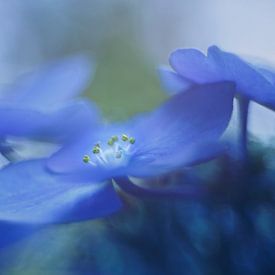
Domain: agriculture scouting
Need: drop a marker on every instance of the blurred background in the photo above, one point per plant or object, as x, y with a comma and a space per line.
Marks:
129, 39
126, 40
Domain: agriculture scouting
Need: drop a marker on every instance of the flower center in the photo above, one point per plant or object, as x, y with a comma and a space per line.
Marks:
115, 152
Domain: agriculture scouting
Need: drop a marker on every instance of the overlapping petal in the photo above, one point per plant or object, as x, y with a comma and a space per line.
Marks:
30, 194
50, 86
194, 65
186, 122
268, 74
41, 105
59, 125
172, 82
252, 82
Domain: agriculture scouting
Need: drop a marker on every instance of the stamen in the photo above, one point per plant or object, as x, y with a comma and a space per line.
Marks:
86, 159
118, 154
132, 140
110, 142
124, 137
115, 154
114, 138
101, 158
96, 150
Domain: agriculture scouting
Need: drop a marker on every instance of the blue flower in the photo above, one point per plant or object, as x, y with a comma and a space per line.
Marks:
42, 105
193, 67
183, 131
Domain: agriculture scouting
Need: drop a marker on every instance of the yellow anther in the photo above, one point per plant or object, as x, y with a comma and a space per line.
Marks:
96, 150
110, 142
132, 140
124, 137
114, 138
86, 159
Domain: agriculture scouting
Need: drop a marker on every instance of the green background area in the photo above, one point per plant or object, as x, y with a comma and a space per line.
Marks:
124, 83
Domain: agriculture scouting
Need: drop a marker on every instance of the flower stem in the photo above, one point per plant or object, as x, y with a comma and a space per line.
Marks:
243, 120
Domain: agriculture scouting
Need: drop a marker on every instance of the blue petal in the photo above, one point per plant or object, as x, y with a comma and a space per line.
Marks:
69, 158
268, 74
29, 194
249, 81
175, 133
196, 153
46, 88
218, 65
194, 65
172, 82
58, 125
69, 122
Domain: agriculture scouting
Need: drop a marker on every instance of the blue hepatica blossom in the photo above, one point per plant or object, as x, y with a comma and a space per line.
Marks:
75, 183
192, 67
41, 105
